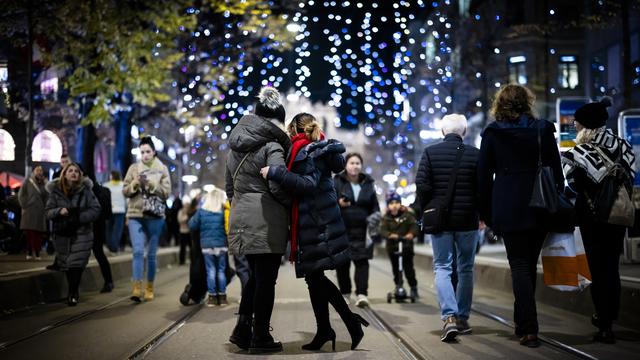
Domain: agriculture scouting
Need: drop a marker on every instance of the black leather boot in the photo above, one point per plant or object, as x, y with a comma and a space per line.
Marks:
320, 339
355, 329
242, 333
264, 344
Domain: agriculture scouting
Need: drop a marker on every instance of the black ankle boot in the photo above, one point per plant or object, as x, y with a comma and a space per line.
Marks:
242, 333
320, 339
72, 300
355, 329
264, 344
605, 335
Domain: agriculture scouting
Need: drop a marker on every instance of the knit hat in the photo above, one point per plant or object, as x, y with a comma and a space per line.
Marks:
593, 115
269, 104
147, 141
393, 196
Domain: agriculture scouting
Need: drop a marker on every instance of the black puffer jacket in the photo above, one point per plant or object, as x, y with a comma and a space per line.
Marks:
507, 170
433, 176
259, 217
322, 238
355, 216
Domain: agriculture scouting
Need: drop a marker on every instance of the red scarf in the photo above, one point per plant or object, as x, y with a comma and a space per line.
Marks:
298, 142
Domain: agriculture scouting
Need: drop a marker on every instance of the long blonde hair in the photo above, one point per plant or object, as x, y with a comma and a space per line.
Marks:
307, 123
586, 135
214, 200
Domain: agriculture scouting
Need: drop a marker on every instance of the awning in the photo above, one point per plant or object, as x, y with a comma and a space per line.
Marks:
13, 180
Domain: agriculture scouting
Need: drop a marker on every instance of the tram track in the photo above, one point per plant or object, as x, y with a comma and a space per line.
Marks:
558, 345
73, 319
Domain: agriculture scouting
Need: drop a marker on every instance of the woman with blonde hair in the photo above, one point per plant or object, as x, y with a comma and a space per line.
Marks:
585, 167
318, 237
72, 207
209, 221
513, 147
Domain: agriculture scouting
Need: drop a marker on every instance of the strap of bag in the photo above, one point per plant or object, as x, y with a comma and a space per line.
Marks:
235, 174
454, 175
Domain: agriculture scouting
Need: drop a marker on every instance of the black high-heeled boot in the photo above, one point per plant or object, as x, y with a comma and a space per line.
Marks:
242, 333
320, 339
72, 299
355, 329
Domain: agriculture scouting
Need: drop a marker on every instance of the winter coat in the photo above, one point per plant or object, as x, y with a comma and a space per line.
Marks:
33, 198
103, 195
73, 250
432, 182
210, 225
585, 169
509, 151
158, 180
402, 224
321, 236
183, 219
259, 215
355, 216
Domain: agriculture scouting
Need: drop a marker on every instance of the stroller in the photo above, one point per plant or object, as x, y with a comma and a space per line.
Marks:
400, 294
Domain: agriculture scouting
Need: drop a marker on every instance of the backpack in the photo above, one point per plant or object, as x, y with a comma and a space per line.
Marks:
612, 203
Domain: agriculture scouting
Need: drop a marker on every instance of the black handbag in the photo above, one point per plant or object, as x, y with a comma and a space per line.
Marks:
545, 192
435, 214
557, 209
153, 205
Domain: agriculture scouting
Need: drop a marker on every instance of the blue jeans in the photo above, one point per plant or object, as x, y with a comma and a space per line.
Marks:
216, 277
115, 226
454, 303
141, 232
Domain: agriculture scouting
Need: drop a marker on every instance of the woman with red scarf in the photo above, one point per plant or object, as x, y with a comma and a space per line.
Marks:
318, 236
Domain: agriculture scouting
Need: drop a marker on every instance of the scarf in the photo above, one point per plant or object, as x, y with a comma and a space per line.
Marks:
298, 142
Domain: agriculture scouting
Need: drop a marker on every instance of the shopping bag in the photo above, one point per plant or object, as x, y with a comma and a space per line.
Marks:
564, 262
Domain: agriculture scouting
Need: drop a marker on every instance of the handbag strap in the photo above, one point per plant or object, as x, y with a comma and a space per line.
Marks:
235, 174
454, 175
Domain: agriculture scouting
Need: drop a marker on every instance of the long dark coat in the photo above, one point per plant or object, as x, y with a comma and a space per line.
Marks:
322, 239
259, 217
73, 251
355, 216
510, 152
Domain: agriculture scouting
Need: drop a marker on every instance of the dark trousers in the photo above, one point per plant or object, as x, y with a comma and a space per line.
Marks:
185, 240
34, 242
73, 279
523, 250
242, 270
407, 268
603, 244
323, 292
259, 294
361, 277
98, 253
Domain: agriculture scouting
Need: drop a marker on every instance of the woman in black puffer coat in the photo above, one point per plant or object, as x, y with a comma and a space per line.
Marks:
73, 208
318, 238
358, 201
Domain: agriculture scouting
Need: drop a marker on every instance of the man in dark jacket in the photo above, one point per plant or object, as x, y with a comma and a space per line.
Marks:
259, 216
460, 229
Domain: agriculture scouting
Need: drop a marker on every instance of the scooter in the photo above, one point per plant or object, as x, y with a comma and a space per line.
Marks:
399, 294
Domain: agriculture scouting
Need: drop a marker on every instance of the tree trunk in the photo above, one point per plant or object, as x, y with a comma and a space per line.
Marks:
122, 155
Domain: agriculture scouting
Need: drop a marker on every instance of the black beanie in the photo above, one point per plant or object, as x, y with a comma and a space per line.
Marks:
269, 105
147, 141
593, 115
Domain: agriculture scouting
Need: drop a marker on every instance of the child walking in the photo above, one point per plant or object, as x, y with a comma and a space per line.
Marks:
399, 224
209, 221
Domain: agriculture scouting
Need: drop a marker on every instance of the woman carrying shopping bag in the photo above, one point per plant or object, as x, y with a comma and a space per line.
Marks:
589, 168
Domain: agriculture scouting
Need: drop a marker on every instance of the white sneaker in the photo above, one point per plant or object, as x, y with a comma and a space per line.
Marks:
29, 257
362, 301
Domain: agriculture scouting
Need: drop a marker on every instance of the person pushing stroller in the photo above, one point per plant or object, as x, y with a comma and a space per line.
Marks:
399, 229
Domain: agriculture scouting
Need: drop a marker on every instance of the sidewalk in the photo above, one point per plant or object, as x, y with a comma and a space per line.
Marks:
492, 271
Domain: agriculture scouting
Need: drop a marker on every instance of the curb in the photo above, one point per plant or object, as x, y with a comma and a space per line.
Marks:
44, 286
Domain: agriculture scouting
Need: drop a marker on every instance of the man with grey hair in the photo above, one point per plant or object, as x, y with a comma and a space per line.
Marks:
451, 161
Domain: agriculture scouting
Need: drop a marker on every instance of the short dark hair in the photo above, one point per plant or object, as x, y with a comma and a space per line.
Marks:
147, 141
350, 155
115, 175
